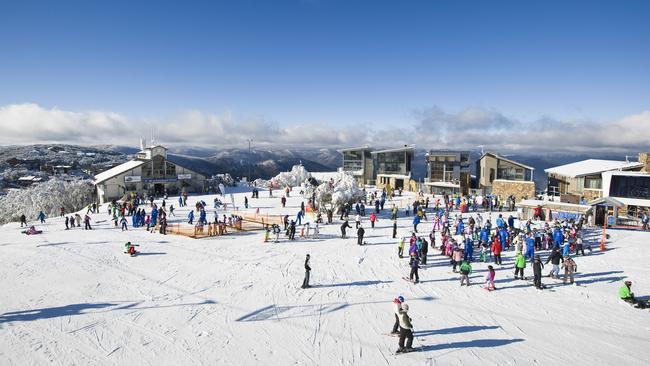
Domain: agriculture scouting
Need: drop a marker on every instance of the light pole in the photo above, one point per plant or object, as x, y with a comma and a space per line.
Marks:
250, 160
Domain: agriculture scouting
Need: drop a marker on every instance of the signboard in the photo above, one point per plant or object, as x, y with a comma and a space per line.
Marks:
132, 179
160, 180
184, 176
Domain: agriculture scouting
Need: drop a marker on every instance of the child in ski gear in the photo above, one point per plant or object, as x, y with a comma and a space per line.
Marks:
489, 278
360, 233
400, 247
570, 267
465, 270
520, 264
414, 263
555, 258
537, 272
625, 293
130, 249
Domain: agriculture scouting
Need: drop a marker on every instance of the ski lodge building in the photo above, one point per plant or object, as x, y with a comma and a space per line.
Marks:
358, 161
448, 171
394, 168
149, 173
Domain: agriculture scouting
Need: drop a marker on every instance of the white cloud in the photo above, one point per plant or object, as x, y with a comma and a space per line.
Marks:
430, 128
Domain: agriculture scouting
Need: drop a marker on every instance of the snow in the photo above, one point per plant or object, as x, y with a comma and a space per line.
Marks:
591, 166
73, 297
297, 176
49, 196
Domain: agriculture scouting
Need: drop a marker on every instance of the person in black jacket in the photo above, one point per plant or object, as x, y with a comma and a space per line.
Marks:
394, 229
555, 258
305, 282
537, 272
343, 227
360, 232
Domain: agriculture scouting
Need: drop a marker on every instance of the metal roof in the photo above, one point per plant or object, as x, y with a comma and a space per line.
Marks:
403, 148
591, 166
117, 170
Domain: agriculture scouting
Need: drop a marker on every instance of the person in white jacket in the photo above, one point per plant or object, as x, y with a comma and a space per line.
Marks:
405, 330
397, 308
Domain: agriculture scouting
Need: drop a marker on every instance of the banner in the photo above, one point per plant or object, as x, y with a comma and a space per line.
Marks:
132, 179
184, 176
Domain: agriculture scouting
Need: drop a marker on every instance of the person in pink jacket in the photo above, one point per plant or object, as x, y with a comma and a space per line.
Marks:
489, 279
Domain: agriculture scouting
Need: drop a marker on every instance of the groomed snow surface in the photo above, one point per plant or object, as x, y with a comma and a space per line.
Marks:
73, 298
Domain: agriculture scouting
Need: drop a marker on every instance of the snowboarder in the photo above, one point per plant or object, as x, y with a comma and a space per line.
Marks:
305, 282
130, 249
360, 233
405, 330
625, 293
465, 271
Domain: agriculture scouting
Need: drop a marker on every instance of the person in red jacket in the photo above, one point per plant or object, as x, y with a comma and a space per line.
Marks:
496, 250
373, 218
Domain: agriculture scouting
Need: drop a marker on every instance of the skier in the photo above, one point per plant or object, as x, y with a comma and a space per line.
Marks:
373, 219
41, 217
292, 230
555, 259
489, 279
360, 233
305, 282
67, 221
520, 264
23, 220
245, 202
405, 330
344, 226
87, 223
276, 232
123, 223
416, 222
465, 271
357, 221
570, 267
397, 309
400, 247
394, 228
190, 218
530, 247
414, 268
537, 272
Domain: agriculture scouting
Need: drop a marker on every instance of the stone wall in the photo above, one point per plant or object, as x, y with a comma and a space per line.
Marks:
518, 189
592, 194
644, 158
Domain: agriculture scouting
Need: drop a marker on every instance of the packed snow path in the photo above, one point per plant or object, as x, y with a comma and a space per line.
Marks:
73, 298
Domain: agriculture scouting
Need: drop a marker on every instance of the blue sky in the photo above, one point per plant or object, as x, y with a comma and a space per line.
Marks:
338, 63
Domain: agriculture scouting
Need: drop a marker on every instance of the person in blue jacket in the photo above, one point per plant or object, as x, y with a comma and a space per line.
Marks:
530, 247
469, 249
500, 222
566, 249
203, 217
484, 236
416, 222
511, 221
299, 218
154, 216
41, 217
503, 236
190, 218
460, 227
558, 237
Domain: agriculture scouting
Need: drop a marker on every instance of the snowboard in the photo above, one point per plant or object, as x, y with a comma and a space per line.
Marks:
414, 349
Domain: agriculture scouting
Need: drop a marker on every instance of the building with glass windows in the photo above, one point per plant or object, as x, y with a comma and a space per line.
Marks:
585, 178
491, 167
448, 171
393, 167
358, 162
149, 173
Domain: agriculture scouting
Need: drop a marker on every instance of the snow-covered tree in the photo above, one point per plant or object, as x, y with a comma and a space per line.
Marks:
48, 196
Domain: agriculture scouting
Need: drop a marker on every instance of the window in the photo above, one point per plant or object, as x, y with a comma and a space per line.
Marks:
593, 182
